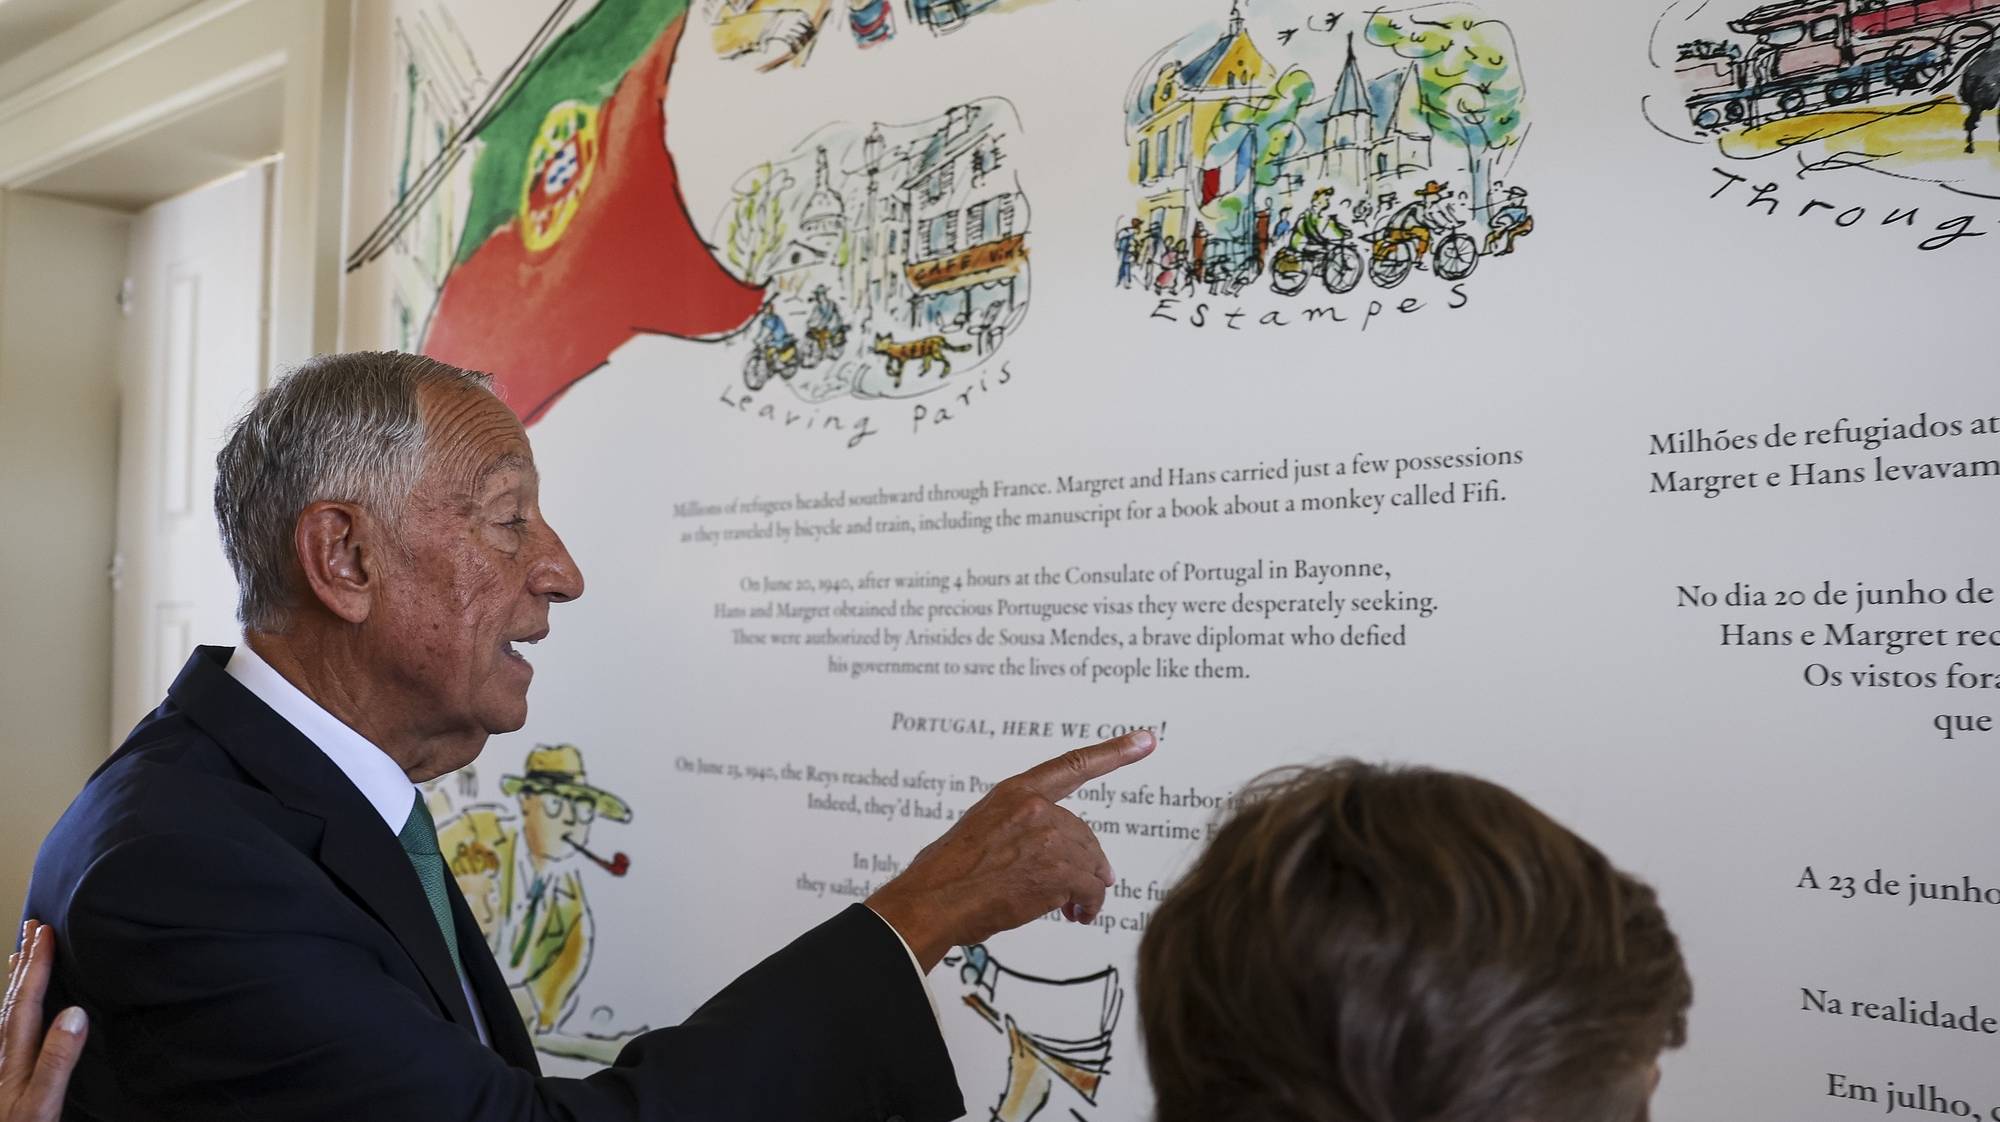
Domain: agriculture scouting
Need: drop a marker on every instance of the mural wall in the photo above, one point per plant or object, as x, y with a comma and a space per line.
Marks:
1590, 397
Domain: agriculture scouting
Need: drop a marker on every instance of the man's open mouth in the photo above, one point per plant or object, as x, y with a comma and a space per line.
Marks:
530, 640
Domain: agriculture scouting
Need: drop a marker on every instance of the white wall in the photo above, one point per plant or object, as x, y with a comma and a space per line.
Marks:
149, 62
60, 267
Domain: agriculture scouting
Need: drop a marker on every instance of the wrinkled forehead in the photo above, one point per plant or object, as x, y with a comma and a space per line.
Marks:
470, 437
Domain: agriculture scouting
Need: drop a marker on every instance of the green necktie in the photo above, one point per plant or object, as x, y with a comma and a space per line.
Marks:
420, 841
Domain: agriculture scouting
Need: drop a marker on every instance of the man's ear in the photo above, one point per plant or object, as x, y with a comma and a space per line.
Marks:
338, 560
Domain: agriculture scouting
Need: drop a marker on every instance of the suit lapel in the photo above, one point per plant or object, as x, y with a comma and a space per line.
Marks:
503, 1025
365, 857
355, 848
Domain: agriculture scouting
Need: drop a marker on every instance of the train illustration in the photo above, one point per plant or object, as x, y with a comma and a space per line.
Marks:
1809, 56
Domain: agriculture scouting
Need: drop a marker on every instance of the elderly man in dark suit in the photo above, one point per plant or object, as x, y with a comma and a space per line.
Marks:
248, 896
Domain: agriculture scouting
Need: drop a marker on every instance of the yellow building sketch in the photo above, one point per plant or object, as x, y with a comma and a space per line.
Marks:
1174, 117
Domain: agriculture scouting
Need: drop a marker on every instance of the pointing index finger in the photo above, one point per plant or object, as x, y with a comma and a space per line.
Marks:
1059, 778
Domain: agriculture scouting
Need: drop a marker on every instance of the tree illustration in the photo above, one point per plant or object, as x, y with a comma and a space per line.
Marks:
1264, 129
757, 225
1468, 82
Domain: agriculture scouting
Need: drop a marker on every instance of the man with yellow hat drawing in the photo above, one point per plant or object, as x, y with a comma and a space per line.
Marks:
1423, 218
544, 941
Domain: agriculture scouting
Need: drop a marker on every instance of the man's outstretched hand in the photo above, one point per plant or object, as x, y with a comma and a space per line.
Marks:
34, 1070
1015, 855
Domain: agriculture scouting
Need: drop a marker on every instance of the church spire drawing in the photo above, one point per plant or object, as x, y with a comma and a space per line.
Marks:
825, 211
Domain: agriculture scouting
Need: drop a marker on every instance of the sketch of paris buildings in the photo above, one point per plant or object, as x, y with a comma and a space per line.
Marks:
894, 256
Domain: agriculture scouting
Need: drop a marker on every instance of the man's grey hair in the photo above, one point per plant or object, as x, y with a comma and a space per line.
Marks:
340, 428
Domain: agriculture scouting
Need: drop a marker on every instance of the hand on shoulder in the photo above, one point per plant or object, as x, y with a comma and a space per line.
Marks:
34, 1073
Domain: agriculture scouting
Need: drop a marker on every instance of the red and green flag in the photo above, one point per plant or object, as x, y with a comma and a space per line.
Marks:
577, 238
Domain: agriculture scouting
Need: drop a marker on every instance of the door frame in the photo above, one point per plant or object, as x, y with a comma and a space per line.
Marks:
129, 81
188, 358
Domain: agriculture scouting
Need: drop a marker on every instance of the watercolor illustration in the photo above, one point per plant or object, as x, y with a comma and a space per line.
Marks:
1325, 148
523, 863
1058, 1033
775, 33
540, 207
539, 226
1904, 88
894, 256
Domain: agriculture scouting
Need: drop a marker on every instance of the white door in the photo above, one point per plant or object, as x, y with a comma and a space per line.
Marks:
190, 361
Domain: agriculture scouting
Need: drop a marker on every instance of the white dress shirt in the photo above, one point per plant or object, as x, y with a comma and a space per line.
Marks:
370, 769
382, 782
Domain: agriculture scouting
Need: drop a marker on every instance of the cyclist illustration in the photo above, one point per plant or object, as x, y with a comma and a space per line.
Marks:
1418, 220
826, 331
1317, 244
1511, 222
1426, 225
773, 350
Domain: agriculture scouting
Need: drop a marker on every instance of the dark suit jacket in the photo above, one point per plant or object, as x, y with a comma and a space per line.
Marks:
250, 942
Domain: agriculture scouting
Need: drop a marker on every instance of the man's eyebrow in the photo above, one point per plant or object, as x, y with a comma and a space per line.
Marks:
512, 461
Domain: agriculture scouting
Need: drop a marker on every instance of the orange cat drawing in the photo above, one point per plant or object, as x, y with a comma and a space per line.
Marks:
931, 348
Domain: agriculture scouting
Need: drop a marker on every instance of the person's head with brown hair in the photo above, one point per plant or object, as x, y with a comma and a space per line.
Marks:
1374, 944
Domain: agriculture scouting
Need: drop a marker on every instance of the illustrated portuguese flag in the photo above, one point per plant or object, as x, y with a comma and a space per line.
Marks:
577, 238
